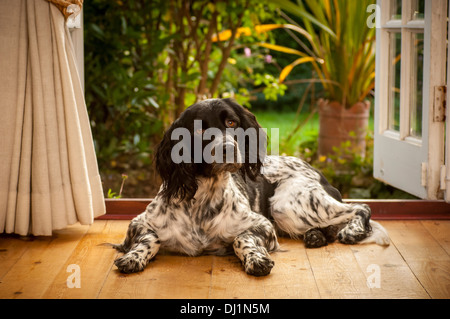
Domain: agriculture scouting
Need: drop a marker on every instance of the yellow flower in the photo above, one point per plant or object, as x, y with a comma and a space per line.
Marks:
322, 158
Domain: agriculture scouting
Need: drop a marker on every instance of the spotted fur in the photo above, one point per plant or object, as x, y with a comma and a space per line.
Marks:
238, 208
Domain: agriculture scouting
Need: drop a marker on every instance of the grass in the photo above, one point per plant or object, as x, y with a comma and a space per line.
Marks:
286, 123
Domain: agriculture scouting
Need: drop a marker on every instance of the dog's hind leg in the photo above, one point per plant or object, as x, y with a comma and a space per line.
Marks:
357, 229
318, 237
312, 213
140, 246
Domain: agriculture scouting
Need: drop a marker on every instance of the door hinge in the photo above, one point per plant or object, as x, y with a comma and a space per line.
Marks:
440, 99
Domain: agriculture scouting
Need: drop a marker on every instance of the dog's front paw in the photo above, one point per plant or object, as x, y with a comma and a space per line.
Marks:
130, 263
258, 264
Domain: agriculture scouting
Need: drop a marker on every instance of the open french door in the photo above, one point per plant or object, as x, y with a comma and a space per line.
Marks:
410, 88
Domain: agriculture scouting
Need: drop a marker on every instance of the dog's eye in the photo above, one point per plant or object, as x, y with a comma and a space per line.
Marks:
230, 123
199, 131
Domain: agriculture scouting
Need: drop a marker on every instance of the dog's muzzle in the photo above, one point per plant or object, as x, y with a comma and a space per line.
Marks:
225, 154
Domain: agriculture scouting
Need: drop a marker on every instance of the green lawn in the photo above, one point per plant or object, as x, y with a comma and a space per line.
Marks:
286, 122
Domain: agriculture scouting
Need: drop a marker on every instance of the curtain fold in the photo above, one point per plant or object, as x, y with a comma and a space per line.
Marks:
49, 177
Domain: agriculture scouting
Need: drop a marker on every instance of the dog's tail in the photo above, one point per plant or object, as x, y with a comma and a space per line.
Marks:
379, 235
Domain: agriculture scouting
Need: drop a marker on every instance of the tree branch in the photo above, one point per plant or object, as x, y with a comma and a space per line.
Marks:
226, 52
201, 90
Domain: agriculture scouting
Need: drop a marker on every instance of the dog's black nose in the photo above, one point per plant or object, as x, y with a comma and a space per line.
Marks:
228, 148
229, 152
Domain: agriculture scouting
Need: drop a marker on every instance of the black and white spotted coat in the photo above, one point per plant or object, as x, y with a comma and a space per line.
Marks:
232, 213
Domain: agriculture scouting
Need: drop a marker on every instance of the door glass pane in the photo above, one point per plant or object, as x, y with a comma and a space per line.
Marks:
396, 10
417, 85
395, 44
418, 9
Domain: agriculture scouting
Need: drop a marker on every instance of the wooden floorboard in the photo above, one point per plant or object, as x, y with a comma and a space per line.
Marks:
396, 279
43, 257
93, 260
424, 255
415, 265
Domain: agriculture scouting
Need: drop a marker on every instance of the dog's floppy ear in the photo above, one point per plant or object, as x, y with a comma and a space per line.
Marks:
178, 179
251, 168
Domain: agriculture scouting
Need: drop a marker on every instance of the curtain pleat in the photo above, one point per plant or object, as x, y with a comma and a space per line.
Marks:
49, 174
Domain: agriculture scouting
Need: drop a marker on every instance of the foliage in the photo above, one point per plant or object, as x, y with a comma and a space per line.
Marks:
271, 87
112, 194
146, 61
341, 46
121, 86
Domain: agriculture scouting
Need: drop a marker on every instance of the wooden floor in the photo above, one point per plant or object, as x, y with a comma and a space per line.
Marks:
415, 265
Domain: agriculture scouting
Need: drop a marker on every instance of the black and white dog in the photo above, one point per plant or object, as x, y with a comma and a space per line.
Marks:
221, 194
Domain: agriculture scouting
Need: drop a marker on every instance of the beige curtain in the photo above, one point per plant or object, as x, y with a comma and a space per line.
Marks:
48, 169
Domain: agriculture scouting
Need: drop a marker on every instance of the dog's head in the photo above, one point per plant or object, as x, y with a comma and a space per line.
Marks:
209, 138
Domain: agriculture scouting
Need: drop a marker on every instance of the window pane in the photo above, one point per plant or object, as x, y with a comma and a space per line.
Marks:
418, 9
396, 10
417, 85
394, 80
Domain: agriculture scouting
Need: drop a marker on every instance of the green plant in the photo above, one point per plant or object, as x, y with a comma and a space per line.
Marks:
338, 35
112, 194
272, 88
339, 45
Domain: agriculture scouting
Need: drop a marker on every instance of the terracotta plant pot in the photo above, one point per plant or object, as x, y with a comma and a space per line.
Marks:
338, 125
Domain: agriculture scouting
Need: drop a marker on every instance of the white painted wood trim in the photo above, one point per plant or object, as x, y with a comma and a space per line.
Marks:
446, 181
381, 79
436, 13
